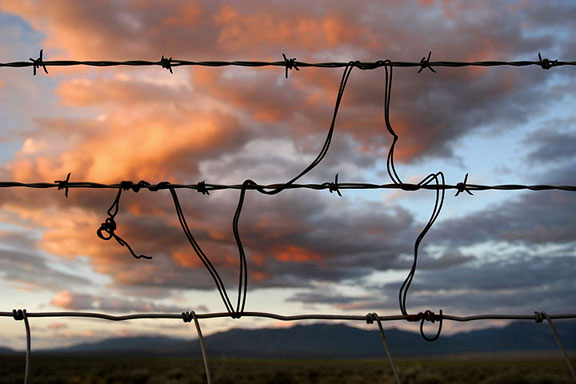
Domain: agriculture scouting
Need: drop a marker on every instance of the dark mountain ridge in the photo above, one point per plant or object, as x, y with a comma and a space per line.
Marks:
334, 341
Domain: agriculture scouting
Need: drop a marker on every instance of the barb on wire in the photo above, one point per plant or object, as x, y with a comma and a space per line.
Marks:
370, 318
539, 317
202, 188
546, 63
463, 187
18, 315
63, 184
425, 63
188, 317
333, 187
290, 64
38, 63
107, 229
166, 62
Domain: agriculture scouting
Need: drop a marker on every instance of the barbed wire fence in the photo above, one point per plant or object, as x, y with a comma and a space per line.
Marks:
433, 182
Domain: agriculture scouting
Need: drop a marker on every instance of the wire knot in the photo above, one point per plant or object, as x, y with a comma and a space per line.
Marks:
141, 184
160, 185
109, 227
371, 317
290, 64
431, 317
333, 187
188, 316
19, 314
540, 316
38, 63
166, 62
425, 63
202, 188
463, 187
546, 63
63, 184
236, 315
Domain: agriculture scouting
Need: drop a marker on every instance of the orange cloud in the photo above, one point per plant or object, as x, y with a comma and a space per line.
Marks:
293, 253
239, 31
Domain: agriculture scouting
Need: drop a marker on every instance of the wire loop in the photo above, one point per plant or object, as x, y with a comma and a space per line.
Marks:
431, 317
108, 228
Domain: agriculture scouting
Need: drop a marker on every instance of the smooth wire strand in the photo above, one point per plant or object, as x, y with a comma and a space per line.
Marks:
543, 315
275, 316
188, 316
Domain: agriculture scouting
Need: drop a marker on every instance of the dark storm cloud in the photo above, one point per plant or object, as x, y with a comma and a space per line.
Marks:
553, 143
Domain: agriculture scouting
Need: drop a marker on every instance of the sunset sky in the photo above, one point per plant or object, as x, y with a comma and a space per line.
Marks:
307, 251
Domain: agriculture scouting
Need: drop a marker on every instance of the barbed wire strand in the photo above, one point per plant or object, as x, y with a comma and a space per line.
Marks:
187, 317
543, 315
203, 187
169, 63
21, 314
370, 317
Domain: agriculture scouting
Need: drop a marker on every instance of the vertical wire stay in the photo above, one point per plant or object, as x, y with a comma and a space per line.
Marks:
539, 317
21, 314
187, 317
237, 311
370, 318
